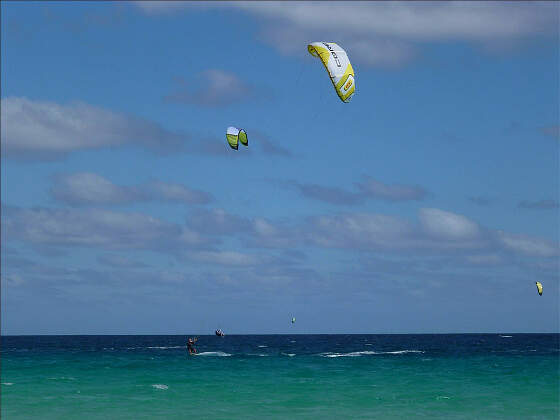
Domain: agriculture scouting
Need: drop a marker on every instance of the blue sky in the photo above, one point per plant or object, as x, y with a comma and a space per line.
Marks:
429, 203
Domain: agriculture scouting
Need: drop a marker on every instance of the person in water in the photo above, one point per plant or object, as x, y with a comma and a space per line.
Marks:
190, 345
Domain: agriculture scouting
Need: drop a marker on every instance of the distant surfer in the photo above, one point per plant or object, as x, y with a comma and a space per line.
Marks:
219, 332
190, 345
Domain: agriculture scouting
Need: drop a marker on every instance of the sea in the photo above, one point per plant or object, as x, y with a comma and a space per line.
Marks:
441, 376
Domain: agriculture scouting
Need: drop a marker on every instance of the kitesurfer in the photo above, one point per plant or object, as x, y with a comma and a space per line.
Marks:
190, 345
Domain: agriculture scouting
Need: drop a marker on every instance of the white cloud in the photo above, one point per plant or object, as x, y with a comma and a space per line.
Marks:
232, 258
42, 129
484, 260
217, 222
381, 33
215, 88
90, 188
96, 228
448, 226
419, 20
264, 228
175, 192
359, 230
527, 245
13, 279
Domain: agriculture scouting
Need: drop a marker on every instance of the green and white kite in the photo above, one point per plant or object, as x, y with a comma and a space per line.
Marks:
235, 135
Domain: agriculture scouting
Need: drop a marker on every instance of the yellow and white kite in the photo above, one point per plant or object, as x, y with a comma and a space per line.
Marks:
336, 61
539, 287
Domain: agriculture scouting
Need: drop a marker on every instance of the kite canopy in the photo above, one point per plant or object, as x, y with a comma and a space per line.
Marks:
243, 138
293, 320
539, 287
235, 135
336, 61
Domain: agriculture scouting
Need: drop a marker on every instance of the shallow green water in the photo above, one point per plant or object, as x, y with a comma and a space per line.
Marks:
289, 377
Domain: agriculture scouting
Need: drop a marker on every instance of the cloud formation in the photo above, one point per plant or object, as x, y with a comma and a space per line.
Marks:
388, 33
41, 130
368, 188
436, 232
86, 188
212, 88
47, 130
208, 233
119, 261
482, 201
391, 192
544, 204
96, 228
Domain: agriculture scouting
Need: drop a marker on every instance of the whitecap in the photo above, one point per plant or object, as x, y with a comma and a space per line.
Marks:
288, 354
442, 397
7, 383
213, 353
166, 347
160, 386
351, 354
367, 353
262, 346
505, 336
401, 352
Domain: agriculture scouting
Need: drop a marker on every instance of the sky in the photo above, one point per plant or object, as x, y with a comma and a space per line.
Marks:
428, 204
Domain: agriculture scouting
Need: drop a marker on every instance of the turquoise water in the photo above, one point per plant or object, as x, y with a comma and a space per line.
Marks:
508, 376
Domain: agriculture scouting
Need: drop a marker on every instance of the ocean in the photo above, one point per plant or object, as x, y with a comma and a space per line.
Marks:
443, 376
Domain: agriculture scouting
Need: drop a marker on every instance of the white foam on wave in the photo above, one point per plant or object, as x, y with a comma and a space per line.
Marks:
160, 386
442, 397
367, 353
505, 336
7, 383
166, 347
351, 354
213, 353
288, 354
262, 346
